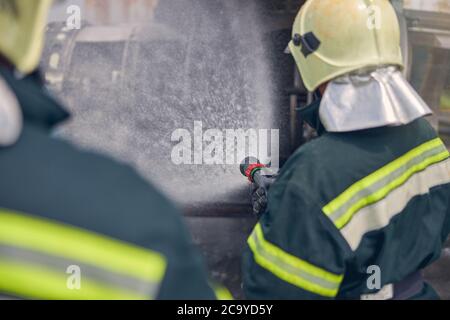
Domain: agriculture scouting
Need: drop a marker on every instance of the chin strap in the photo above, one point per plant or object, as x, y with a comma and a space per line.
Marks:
310, 114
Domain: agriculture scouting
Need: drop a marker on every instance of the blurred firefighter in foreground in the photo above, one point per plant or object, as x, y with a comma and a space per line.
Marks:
359, 211
73, 224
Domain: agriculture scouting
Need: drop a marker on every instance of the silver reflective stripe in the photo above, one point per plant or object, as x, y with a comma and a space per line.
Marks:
379, 214
273, 259
385, 181
60, 265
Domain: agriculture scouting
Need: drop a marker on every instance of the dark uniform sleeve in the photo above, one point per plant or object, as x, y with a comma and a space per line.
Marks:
186, 277
156, 224
294, 252
446, 226
161, 228
137, 212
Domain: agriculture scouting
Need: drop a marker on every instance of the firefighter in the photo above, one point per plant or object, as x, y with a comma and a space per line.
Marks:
359, 211
73, 224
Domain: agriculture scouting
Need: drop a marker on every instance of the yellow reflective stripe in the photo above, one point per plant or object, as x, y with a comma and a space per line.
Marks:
380, 194
380, 174
379, 214
222, 293
291, 269
36, 282
87, 247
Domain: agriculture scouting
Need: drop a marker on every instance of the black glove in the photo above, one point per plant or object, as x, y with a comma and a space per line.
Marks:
259, 195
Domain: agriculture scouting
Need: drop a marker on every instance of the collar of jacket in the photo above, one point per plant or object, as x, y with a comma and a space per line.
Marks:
37, 104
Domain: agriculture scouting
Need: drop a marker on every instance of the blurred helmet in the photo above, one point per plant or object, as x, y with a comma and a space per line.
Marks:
22, 27
331, 38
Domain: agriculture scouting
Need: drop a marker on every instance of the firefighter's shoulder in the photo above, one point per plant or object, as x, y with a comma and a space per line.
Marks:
65, 209
57, 180
317, 163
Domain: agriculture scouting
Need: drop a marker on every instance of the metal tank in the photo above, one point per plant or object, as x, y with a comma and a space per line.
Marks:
137, 71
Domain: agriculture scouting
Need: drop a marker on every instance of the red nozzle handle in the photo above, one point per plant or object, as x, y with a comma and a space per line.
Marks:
251, 169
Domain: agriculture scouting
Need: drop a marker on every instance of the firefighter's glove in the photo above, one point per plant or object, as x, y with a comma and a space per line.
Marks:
259, 195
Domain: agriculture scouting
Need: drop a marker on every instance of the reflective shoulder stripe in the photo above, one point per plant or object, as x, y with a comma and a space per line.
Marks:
379, 184
49, 248
292, 269
379, 214
222, 293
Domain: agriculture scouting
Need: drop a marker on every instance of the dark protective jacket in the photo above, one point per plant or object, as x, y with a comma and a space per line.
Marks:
353, 214
74, 224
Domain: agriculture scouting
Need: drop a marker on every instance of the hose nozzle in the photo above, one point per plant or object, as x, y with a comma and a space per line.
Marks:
249, 166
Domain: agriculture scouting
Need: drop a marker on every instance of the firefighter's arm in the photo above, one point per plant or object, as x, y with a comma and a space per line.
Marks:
294, 251
446, 225
155, 224
186, 277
